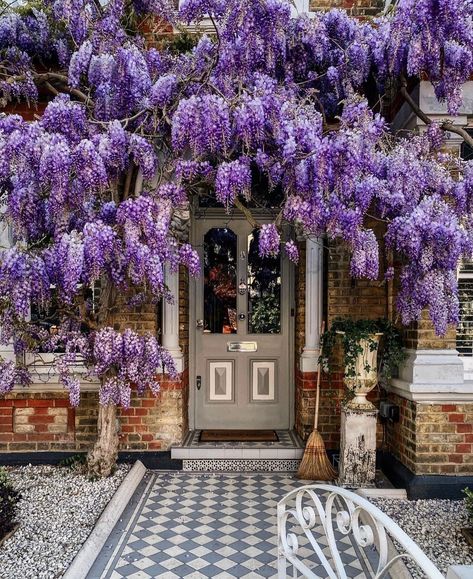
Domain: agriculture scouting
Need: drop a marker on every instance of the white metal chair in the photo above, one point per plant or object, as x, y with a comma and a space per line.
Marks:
310, 513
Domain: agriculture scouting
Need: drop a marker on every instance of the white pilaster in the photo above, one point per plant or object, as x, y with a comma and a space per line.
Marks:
171, 320
299, 7
313, 304
6, 350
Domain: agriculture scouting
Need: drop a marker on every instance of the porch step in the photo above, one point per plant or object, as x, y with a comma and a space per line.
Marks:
281, 456
234, 453
241, 465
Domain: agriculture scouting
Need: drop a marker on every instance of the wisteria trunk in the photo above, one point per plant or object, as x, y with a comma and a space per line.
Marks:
102, 459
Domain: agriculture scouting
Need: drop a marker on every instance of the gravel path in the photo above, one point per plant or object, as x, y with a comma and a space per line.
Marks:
57, 511
435, 525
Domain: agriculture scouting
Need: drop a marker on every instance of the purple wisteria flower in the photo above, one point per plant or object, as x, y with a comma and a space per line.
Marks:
269, 240
270, 111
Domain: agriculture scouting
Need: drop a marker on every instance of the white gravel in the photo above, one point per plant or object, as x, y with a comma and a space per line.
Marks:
435, 525
57, 511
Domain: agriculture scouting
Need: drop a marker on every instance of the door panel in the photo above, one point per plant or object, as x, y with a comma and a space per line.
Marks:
242, 330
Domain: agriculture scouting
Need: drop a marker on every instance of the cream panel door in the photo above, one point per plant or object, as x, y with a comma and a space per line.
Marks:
242, 310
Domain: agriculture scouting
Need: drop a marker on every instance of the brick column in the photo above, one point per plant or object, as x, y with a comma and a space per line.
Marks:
309, 302
435, 433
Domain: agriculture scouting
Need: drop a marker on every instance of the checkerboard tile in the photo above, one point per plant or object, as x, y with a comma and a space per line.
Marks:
195, 526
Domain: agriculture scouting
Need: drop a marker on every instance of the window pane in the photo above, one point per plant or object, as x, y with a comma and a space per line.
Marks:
220, 281
465, 326
264, 290
49, 319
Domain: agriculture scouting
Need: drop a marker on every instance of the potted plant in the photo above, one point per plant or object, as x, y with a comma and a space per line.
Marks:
372, 352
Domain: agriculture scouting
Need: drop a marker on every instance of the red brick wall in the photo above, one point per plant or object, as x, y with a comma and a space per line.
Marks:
153, 423
35, 423
361, 8
332, 392
32, 421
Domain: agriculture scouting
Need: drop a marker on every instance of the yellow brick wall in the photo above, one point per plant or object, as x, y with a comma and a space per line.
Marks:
433, 438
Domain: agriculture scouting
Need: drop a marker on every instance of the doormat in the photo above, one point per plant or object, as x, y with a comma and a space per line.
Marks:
238, 436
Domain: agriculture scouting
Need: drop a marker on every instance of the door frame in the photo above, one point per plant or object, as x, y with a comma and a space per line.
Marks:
219, 216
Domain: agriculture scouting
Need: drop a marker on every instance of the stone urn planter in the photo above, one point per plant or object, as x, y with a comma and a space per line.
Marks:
361, 376
360, 354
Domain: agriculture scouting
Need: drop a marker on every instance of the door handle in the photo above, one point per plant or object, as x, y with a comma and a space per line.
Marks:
198, 382
199, 324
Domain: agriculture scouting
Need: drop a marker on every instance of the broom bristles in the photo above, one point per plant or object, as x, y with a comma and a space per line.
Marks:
315, 464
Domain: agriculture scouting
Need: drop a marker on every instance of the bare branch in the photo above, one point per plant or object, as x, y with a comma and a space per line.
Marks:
247, 213
46, 77
129, 177
51, 89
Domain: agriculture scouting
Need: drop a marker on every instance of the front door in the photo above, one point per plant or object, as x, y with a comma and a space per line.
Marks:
242, 307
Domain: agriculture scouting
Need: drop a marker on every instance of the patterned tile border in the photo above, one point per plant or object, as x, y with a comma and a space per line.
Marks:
236, 465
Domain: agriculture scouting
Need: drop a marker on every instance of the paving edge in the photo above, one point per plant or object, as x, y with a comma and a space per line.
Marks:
374, 493
85, 558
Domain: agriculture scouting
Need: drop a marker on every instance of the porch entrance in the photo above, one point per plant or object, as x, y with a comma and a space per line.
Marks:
241, 330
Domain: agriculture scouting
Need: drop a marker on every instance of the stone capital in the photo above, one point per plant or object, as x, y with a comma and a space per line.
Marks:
433, 376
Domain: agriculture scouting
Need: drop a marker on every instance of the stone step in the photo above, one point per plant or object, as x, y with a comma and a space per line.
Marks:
235, 452
241, 464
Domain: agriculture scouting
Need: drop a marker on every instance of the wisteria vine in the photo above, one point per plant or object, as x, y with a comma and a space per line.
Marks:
269, 104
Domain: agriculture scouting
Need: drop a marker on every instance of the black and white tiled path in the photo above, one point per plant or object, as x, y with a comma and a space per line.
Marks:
196, 525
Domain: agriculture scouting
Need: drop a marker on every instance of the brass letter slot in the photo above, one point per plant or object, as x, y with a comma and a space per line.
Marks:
242, 346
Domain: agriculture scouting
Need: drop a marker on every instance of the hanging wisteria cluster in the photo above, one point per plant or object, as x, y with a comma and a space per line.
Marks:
133, 130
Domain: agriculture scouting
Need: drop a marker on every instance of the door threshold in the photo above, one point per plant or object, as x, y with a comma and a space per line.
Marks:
289, 446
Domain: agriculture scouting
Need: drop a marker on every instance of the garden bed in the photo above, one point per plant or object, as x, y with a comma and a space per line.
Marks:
436, 526
57, 511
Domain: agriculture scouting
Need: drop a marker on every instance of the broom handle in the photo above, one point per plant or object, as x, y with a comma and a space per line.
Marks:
317, 389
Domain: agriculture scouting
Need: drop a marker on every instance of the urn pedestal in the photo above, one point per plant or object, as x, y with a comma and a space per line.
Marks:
357, 467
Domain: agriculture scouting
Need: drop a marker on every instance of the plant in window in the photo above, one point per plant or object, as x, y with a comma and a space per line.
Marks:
265, 316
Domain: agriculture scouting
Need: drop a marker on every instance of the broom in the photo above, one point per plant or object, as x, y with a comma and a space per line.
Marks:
315, 464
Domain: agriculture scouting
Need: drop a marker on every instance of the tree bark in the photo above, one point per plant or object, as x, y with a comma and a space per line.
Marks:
102, 459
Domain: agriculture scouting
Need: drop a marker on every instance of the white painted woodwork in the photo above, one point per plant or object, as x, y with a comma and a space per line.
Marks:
433, 376
6, 350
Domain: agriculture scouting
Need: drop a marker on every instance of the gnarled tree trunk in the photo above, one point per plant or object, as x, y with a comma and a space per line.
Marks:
102, 459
